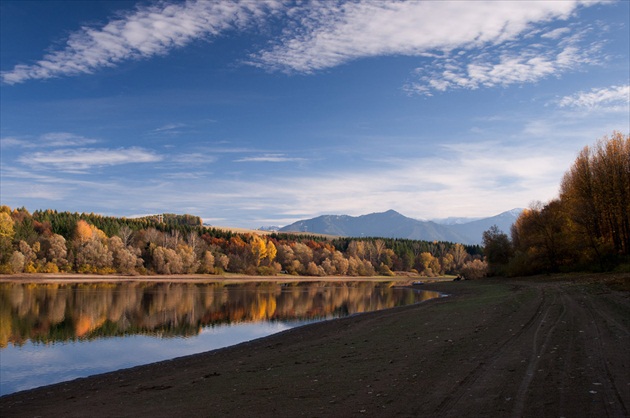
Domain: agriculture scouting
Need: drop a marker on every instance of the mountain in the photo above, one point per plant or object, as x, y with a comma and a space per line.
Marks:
392, 224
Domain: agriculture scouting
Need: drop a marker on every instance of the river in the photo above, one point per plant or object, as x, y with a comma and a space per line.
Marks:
51, 333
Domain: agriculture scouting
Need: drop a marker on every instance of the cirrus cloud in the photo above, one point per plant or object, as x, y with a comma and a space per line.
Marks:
86, 158
146, 32
269, 158
323, 34
328, 34
613, 97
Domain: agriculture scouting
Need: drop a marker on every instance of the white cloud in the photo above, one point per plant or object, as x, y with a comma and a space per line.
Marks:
148, 31
85, 158
193, 158
64, 139
52, 139
170, 127
317, 35
12, 142
327, 34
269, 158
556, 33
518, 62
462, 179
613, 97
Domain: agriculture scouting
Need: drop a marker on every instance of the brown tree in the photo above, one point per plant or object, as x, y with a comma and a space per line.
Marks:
596, 193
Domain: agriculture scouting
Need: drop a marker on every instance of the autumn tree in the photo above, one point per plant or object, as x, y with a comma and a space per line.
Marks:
125, 233
54, 250
167, 261
124, 259
16, 262
263, 250
540, 239
427, 264
596, 194
474, 269
7, 233
460, 256
207, 263
91, 252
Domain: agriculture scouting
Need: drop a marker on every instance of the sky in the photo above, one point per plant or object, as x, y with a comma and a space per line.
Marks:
260, 113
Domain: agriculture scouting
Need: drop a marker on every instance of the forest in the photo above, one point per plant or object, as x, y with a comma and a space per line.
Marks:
47, 241
587, 228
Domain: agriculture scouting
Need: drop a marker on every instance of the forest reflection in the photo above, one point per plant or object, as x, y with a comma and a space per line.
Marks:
45, 313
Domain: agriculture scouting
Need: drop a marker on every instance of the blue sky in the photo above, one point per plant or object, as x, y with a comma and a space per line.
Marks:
254, 113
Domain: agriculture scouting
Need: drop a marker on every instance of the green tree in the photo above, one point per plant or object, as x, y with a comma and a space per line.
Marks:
497, 249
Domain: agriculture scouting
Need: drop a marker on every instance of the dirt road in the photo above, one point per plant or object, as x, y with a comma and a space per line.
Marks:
542, 347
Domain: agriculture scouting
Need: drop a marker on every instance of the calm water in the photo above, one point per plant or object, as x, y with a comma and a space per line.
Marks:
51, 333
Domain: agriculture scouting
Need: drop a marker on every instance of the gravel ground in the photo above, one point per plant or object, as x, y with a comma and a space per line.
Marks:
546, 346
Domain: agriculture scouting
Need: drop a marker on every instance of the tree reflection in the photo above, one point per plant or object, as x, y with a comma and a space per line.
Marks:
48, 313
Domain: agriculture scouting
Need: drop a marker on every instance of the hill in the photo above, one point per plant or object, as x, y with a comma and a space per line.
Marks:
392, 224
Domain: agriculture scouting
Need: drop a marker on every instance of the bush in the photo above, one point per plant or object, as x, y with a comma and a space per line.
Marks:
267, 271
384, 270
475, 269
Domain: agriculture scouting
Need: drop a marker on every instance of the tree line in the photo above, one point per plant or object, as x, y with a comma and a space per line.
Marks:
586, 228
49, 241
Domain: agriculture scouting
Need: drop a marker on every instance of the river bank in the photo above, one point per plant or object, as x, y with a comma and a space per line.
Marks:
545, 346
227, 278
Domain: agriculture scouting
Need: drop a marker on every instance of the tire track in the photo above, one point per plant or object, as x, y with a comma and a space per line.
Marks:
537, 352
482, 368
611, 394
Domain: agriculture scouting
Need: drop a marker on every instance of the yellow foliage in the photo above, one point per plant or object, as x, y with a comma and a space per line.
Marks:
258, 246
50, 268
6, 225
84, 232
271, 251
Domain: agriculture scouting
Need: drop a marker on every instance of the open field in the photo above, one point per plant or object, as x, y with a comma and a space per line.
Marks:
546, 346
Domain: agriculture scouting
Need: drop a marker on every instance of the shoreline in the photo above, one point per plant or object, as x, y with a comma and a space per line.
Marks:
470, 354
203, 278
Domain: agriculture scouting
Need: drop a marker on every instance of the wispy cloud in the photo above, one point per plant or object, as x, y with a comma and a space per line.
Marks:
269, 158
12, 142
169, 127
613, 97
85, 158
193, 158
64, 139
52, 139
526, 61
146, 32
327, 34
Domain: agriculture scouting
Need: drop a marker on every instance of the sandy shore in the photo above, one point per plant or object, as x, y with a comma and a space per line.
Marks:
198, 278
541, 347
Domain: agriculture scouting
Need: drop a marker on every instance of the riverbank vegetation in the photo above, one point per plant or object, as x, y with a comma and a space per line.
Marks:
587, 228
47, 241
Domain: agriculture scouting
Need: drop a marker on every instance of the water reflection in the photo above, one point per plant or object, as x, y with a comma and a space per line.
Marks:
56, 312
56, 332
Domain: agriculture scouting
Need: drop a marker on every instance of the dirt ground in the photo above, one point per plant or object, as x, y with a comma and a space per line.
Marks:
547, 346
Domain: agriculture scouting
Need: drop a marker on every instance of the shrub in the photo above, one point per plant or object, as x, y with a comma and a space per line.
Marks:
475, 269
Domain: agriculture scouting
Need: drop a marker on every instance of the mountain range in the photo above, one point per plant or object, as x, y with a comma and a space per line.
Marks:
392, 224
